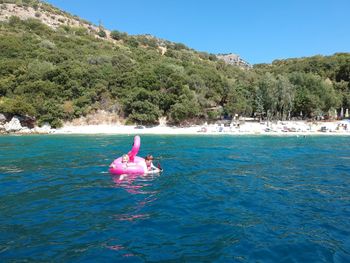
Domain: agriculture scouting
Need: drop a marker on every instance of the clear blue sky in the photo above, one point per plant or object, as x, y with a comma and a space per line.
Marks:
258, 30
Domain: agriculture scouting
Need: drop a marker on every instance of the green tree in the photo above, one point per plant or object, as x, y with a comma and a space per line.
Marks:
16, 105
285, 93
144, 112
185, 109
266, 92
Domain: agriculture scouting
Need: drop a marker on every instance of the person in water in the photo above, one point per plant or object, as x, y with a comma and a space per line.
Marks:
125, 158
149, 164
125, 161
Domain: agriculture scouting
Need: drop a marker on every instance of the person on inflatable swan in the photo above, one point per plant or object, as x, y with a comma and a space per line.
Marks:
132, 164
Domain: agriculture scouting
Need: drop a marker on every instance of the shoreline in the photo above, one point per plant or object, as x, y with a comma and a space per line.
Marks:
285, 128
290, 128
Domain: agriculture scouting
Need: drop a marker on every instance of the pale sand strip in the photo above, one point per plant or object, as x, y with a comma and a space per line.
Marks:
249, 128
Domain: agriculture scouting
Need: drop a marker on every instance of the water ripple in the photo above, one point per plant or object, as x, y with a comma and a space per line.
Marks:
220, 199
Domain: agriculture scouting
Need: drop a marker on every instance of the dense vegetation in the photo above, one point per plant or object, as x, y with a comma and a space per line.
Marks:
58, 75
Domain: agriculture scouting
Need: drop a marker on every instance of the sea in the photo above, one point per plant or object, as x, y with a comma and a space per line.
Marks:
220, 198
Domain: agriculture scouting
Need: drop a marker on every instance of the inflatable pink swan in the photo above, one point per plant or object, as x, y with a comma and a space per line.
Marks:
136, 164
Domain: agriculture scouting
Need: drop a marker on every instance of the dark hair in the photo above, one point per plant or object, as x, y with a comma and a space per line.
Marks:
149, 157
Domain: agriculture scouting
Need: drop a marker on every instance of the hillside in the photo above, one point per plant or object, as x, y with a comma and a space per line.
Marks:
56, 18
47, 14
57, 67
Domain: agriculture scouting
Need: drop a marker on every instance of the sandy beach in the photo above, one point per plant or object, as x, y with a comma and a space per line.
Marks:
285, 128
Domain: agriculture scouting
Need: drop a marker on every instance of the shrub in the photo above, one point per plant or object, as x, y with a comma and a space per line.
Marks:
16, 106
102, 33
116, 35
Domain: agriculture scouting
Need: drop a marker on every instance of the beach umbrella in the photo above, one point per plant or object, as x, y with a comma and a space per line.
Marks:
347, 113
335, 114
342, 113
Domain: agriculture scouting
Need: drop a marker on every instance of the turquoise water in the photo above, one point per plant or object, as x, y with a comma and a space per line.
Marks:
220, 199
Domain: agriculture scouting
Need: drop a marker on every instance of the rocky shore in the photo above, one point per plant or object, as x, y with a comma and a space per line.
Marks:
22, 125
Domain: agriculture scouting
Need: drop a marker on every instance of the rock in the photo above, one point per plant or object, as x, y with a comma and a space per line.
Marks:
26, 130
14, 125
46, 128
234, 59
2, 118
26, 121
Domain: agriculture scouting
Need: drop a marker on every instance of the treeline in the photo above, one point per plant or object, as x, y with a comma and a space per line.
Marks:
313, 86
58, 75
